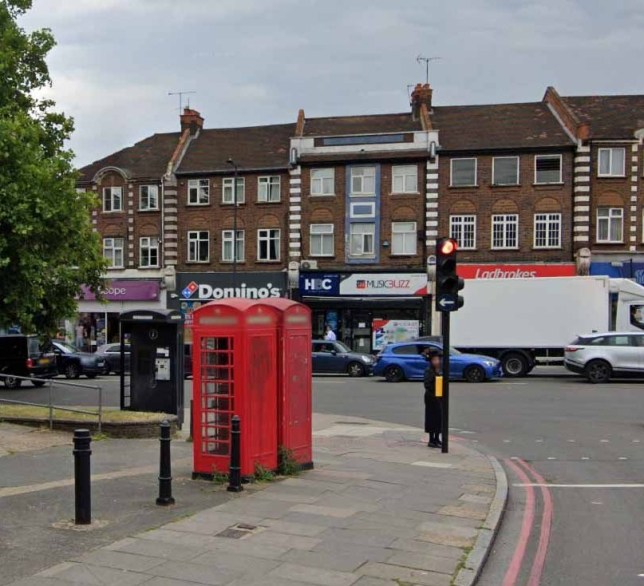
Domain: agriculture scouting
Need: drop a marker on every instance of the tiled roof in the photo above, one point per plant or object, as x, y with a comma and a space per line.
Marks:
609, 116
253, 147
145, 159
498, 126
352, 125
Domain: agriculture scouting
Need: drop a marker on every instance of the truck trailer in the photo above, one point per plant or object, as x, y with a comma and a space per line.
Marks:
528, 321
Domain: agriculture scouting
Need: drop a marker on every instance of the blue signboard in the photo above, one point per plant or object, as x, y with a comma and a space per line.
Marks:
320, 284
625, 270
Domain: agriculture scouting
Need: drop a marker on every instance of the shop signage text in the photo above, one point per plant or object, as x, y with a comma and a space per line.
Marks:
126, 291
209, 286
363, 284
516, 271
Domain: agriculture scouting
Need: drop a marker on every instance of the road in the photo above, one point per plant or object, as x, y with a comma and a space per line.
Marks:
559, 429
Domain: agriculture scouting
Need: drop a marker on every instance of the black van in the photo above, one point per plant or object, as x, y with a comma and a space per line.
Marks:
21, 355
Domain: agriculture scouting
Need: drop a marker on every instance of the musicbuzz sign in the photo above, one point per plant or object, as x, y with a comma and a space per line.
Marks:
211, 286
363, 284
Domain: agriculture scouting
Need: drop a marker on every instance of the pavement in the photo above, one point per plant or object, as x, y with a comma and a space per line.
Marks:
379, 508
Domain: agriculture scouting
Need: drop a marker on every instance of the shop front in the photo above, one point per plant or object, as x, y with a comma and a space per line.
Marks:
195, 289
631, 268
515, 271
97, 322
366, 311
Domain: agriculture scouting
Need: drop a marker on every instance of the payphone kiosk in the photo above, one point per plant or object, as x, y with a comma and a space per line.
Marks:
155, 379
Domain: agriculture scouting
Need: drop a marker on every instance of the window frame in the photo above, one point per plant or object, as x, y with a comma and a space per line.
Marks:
150, 247
610, 150
266, 181
370, 215
404, 176
608, 218
331, 233
505, 224
496, 183
228, 183
191, 186
363, 255
362, 193
321, 180
197, 241
148, 207
548, 220
451, 171
413, 233
114, 248
228, 238
463, 224
560, 157
112, 210
268, 238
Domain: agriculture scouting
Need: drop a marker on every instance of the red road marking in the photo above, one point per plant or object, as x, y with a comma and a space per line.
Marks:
546, 523
514, 568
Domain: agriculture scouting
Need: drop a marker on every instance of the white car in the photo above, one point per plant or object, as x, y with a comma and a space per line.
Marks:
601, 356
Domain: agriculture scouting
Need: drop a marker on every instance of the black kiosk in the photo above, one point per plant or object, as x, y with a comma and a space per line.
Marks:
155, 378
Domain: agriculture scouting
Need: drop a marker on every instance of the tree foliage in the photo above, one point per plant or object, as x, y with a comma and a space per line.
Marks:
47, 246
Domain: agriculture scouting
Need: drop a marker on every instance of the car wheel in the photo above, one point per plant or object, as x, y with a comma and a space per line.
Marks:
12, 383
474, 374
598, 371
394, 374
72, 371
514, 365
355, 369
106, 370
38, 383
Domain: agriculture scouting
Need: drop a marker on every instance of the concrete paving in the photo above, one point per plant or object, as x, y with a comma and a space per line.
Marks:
379, 508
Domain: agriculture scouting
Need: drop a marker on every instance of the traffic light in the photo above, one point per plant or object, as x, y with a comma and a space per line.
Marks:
448, 283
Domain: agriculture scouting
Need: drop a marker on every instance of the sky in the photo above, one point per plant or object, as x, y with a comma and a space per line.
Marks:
256, 62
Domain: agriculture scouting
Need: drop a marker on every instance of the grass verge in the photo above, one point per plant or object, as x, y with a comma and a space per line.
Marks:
109, 415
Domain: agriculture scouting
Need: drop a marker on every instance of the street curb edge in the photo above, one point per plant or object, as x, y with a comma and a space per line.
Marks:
471, 570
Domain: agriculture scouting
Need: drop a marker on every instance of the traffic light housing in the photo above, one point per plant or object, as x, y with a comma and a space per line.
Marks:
448, 283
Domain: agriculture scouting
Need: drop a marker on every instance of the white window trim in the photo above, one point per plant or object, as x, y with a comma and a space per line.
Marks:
476, 171
149, 247
241, 245
113, 248
474, 224
393, 176
113, 211
608, 240
189, 260
323, 194
370, 215
242, 187
534, 230
191, 181
495, 182
331, 234
413, 234
268, 185
504, 247
369, 255
610, 150
148, 209
279, 244
560, 170
362, 193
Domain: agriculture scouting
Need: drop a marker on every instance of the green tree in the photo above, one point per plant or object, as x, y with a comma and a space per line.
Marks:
47, 246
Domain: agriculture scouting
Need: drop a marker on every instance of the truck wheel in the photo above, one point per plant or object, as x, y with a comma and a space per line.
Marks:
598, 371
355, 369
394, 374
474, 374
514, 365
12, 383
72, 371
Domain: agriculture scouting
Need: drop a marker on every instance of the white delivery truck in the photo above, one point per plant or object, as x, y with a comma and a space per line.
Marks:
525, 322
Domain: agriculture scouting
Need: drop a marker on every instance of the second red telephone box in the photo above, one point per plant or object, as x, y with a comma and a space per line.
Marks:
234, 373
294, 401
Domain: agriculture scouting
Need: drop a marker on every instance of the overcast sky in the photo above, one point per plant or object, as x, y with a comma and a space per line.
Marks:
259, 61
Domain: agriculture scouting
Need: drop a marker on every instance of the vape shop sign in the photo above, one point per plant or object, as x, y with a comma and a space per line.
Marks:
390, 331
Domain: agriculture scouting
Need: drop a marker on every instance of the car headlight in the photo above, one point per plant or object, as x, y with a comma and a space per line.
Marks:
490, 362
367, 359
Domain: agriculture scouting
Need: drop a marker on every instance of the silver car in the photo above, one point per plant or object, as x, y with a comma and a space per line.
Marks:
601, 356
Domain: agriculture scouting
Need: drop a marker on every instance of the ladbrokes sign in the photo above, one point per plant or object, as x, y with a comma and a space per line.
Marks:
524, 271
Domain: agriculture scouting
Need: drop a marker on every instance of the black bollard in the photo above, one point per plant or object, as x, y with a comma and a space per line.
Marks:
234, 473
165, 471
82, 482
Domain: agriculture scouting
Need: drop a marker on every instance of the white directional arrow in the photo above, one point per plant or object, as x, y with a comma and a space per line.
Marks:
445, 302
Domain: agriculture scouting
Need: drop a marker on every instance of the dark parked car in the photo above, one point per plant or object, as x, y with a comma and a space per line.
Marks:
22, 355
111, 354
73, 363
338, 358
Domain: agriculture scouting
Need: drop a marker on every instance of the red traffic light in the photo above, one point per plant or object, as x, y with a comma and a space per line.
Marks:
448, 246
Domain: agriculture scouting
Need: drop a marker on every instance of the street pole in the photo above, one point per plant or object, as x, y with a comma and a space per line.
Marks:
445, 317
234, 165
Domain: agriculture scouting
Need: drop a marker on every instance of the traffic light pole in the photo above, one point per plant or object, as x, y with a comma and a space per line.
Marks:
445, 318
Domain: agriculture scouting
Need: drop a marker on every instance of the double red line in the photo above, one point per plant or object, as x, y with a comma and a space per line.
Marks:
522, 469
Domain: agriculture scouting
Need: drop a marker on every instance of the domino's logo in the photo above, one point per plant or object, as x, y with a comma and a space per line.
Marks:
190, 290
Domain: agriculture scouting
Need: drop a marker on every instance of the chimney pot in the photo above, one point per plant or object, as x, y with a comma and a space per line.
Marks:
191, 119
422, 94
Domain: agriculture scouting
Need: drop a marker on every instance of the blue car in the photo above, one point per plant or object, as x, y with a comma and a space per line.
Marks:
405, 361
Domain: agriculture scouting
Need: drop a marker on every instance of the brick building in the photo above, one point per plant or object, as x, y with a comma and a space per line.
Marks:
345, 211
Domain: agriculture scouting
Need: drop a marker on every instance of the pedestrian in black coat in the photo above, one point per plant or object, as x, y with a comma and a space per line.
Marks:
433, 404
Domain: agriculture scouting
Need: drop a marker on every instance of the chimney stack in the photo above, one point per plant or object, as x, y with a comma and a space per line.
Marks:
422, 94
192, 120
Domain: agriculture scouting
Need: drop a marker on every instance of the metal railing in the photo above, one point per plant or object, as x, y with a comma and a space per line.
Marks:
50, 382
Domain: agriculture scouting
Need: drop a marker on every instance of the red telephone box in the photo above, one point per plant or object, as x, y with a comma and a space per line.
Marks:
294, 388
234, 373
